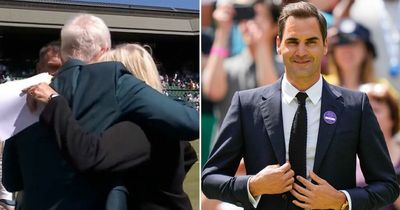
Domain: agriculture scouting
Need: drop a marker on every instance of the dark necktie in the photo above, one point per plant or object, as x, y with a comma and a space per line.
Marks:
298, 137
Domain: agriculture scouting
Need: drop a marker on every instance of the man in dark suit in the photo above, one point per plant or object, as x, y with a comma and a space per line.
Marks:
116, 151
294, 167
99, 95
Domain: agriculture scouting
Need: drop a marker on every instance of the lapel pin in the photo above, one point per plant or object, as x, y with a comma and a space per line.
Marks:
330, 117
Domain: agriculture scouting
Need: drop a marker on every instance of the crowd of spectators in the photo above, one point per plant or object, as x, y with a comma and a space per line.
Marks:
182, 86
7, 75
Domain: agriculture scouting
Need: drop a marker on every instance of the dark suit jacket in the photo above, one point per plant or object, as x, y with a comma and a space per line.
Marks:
103, 93
253, 130
32, 162
99, 95
125, 148
122, 146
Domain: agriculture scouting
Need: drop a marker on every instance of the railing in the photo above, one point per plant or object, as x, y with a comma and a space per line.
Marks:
191, 96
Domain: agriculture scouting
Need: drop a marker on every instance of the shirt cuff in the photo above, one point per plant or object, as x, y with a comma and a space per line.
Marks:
253, 200
347, 197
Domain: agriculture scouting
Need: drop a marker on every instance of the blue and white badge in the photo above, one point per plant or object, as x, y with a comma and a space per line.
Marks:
330, 117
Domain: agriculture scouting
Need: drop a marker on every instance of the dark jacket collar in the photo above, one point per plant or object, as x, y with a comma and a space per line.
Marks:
71, 63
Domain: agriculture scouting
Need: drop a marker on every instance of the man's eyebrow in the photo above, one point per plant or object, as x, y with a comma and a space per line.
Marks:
291, 39
312, 39
296, 39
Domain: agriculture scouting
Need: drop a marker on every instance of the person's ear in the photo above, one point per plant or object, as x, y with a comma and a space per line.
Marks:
325, 47
100, 53
278, 45
104, 50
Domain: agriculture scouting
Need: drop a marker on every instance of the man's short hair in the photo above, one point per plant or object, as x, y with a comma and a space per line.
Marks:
49, 58
301, 10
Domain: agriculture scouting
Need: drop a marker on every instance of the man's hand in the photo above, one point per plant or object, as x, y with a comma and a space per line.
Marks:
31, 103
319, 196
273, 179
37, 93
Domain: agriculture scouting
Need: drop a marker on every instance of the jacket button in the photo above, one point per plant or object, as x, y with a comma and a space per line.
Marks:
284, 196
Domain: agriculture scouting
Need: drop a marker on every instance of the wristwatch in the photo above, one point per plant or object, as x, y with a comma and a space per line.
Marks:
53, 95
345, 205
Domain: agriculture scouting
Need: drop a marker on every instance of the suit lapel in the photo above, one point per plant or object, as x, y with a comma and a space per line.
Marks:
271, 102
331, 100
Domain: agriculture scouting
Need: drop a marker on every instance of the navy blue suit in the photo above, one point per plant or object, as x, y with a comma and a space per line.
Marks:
253, 129
99, 96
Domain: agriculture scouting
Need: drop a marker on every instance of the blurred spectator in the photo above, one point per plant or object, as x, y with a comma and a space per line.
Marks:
49, 58
327, 8
185, 80
4, 77
254, 66
386, 108
325, 5
207, 7
207, 117
381, 17
351, 55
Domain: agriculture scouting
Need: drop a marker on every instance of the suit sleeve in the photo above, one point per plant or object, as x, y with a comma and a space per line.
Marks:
11, 174
376, 165
142, 104
120, 147
218, 180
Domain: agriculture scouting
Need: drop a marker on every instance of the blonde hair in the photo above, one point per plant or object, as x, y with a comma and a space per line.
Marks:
138, 61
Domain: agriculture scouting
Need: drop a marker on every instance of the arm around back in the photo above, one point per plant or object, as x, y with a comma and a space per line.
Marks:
122, 146
145, 106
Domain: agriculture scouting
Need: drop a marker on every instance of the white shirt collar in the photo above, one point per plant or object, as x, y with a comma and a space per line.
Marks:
289, 91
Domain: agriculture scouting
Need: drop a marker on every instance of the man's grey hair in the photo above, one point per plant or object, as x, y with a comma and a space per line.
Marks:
83, 37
